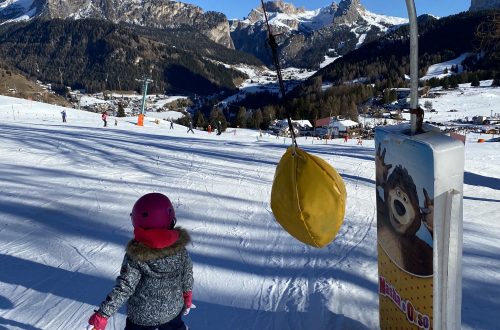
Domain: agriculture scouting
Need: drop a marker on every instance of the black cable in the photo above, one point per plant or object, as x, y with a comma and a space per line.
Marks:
274, 50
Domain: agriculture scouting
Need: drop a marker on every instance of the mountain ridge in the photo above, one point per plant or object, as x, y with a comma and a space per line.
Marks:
153, 13
97, 55
307, 36
302, 30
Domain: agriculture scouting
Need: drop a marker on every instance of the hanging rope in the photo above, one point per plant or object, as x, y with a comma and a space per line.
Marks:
274, 50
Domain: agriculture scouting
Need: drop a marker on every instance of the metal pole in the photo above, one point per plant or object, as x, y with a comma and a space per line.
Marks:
144, 94
412, 15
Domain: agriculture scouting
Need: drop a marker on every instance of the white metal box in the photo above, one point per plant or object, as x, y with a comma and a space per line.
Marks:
419, 181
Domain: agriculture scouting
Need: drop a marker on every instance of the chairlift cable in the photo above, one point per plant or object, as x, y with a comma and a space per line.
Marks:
274, 50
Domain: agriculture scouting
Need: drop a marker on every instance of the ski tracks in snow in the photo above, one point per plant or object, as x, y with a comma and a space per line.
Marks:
314, 275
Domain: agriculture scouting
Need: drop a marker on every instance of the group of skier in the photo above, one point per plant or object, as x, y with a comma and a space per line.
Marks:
209, 128
104, 117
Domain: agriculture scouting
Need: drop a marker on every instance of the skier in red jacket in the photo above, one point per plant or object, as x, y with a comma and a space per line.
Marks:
105, 118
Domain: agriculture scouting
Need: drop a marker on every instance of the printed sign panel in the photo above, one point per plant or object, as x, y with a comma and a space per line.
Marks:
405, 203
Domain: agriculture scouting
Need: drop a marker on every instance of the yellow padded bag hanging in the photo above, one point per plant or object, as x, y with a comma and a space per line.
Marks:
308, 197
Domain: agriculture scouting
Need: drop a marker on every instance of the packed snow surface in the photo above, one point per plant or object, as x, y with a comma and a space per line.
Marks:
464, 102
67, 190
441, 70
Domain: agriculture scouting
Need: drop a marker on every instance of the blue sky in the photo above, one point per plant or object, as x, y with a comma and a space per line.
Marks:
240, 9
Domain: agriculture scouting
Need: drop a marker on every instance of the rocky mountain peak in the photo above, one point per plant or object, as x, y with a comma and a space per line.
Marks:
271, 7
282, 7
307, 36
348, 11
150, 13
332, 9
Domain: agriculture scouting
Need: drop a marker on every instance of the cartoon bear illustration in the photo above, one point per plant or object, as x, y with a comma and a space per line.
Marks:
382, 169
399, 219
428, 213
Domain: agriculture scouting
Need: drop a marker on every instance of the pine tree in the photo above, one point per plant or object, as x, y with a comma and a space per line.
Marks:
453, 82
257, 118
475, 80
241, 118
199, 119
121, 110
445, 83
496, 80
353, 111
268, 115
214, 114
217, 115
389, 96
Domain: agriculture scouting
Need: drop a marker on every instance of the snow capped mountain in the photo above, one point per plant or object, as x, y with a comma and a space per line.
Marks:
306, 36
286, 16
383, 22
154, 13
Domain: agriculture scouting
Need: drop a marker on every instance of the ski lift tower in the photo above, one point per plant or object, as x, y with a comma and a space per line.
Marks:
145, 82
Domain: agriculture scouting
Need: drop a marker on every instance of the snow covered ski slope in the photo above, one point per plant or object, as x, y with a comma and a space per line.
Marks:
66, 191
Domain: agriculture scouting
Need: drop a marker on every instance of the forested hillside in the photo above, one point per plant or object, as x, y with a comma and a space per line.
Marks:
369, 70
386, 61
97, 55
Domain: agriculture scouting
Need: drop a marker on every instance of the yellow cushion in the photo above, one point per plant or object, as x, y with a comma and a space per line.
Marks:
308, 198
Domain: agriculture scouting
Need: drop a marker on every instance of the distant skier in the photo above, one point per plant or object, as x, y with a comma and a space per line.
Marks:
116, 122
219, 128
209, 129
63, 114
346, 137
190, 127
171, 123
156, 276
104, 118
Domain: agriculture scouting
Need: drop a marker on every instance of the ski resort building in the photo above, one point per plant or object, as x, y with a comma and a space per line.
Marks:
337, 126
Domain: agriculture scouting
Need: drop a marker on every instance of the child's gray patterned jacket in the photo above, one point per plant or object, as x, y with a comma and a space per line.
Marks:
152, 282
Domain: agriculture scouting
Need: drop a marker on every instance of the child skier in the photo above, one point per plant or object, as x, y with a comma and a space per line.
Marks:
104, 118
156, 277
190, 129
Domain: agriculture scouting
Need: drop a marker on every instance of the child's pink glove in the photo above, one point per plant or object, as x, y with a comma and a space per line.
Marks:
188, 299
188, 302
98, 321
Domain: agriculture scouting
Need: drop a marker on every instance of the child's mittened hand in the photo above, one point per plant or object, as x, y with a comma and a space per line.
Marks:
187, 310
97, 322
188, 299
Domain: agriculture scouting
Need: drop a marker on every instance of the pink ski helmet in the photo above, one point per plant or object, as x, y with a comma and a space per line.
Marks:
153, 211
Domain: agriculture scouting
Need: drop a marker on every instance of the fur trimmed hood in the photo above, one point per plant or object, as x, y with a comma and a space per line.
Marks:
138, 251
